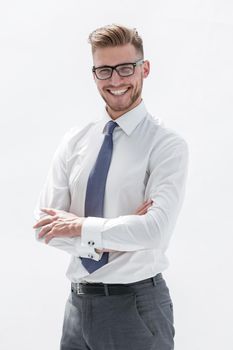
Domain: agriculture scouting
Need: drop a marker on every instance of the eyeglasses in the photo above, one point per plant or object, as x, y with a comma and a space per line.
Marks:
123, 69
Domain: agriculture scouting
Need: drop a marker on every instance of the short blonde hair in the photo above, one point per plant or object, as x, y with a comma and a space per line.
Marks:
115, 35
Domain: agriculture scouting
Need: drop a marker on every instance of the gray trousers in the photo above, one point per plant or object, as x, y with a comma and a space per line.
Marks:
140, 320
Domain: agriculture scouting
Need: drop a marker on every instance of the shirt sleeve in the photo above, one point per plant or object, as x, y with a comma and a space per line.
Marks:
166, 187
55, 194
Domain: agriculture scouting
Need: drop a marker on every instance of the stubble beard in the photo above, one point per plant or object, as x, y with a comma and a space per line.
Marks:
132, 99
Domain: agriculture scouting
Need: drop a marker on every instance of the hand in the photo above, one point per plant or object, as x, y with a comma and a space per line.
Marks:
143, 207
59, 223
140, 211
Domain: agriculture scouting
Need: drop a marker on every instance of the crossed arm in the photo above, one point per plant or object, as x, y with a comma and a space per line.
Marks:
149, 228
60, 223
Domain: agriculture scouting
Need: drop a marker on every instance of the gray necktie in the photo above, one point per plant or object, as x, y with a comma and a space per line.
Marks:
94, 201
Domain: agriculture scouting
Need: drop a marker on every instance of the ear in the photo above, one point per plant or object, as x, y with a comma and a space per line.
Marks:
146, 68
94, 77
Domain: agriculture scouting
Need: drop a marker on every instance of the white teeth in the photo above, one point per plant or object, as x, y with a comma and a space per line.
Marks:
118, 92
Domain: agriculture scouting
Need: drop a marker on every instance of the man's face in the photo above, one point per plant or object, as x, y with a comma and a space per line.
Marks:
121, 94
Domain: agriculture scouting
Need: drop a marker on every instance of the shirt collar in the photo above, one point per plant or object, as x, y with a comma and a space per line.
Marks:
129, 120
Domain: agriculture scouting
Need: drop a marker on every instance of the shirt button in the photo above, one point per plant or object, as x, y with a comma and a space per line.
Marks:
90, 256
91, 242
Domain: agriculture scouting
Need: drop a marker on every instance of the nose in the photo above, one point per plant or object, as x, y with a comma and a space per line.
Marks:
116, 79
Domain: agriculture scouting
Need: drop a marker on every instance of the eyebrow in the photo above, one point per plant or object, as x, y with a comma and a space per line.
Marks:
107, 66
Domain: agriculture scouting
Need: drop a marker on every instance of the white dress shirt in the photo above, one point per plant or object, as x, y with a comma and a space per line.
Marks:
149, 161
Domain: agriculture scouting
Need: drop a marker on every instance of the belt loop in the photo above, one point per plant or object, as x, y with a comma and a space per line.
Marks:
153, 280
106, 289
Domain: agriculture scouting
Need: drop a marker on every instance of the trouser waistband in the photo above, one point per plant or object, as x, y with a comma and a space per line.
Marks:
111, 289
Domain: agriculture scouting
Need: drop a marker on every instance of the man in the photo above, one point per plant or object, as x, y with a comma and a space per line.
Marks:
111, 200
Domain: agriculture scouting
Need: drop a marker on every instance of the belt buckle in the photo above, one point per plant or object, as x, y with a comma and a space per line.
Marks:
79, 290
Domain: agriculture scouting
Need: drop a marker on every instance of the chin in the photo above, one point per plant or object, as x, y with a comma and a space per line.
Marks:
120, 108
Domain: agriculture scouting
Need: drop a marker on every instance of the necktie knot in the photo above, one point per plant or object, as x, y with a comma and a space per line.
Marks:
109, 127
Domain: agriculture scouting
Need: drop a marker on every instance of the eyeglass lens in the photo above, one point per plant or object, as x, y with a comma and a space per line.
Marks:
123, 71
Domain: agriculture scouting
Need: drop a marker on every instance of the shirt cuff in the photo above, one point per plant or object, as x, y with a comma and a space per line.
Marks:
71, 245
88, 252
91, 232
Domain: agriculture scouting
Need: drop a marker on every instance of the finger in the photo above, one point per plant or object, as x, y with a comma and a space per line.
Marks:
45, 221
49, 211
48, 238
54, 232
45, 230
42, 222
144, 206
144, 210
146, 203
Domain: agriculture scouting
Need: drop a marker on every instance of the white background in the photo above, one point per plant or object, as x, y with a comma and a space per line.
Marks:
46, 87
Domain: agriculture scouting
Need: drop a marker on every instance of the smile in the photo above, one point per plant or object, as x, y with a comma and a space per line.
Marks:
118, 92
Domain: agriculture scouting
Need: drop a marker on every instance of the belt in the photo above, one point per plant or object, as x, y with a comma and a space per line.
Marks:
111, 289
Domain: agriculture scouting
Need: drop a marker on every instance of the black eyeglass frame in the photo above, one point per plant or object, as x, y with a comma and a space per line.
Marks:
134, 64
